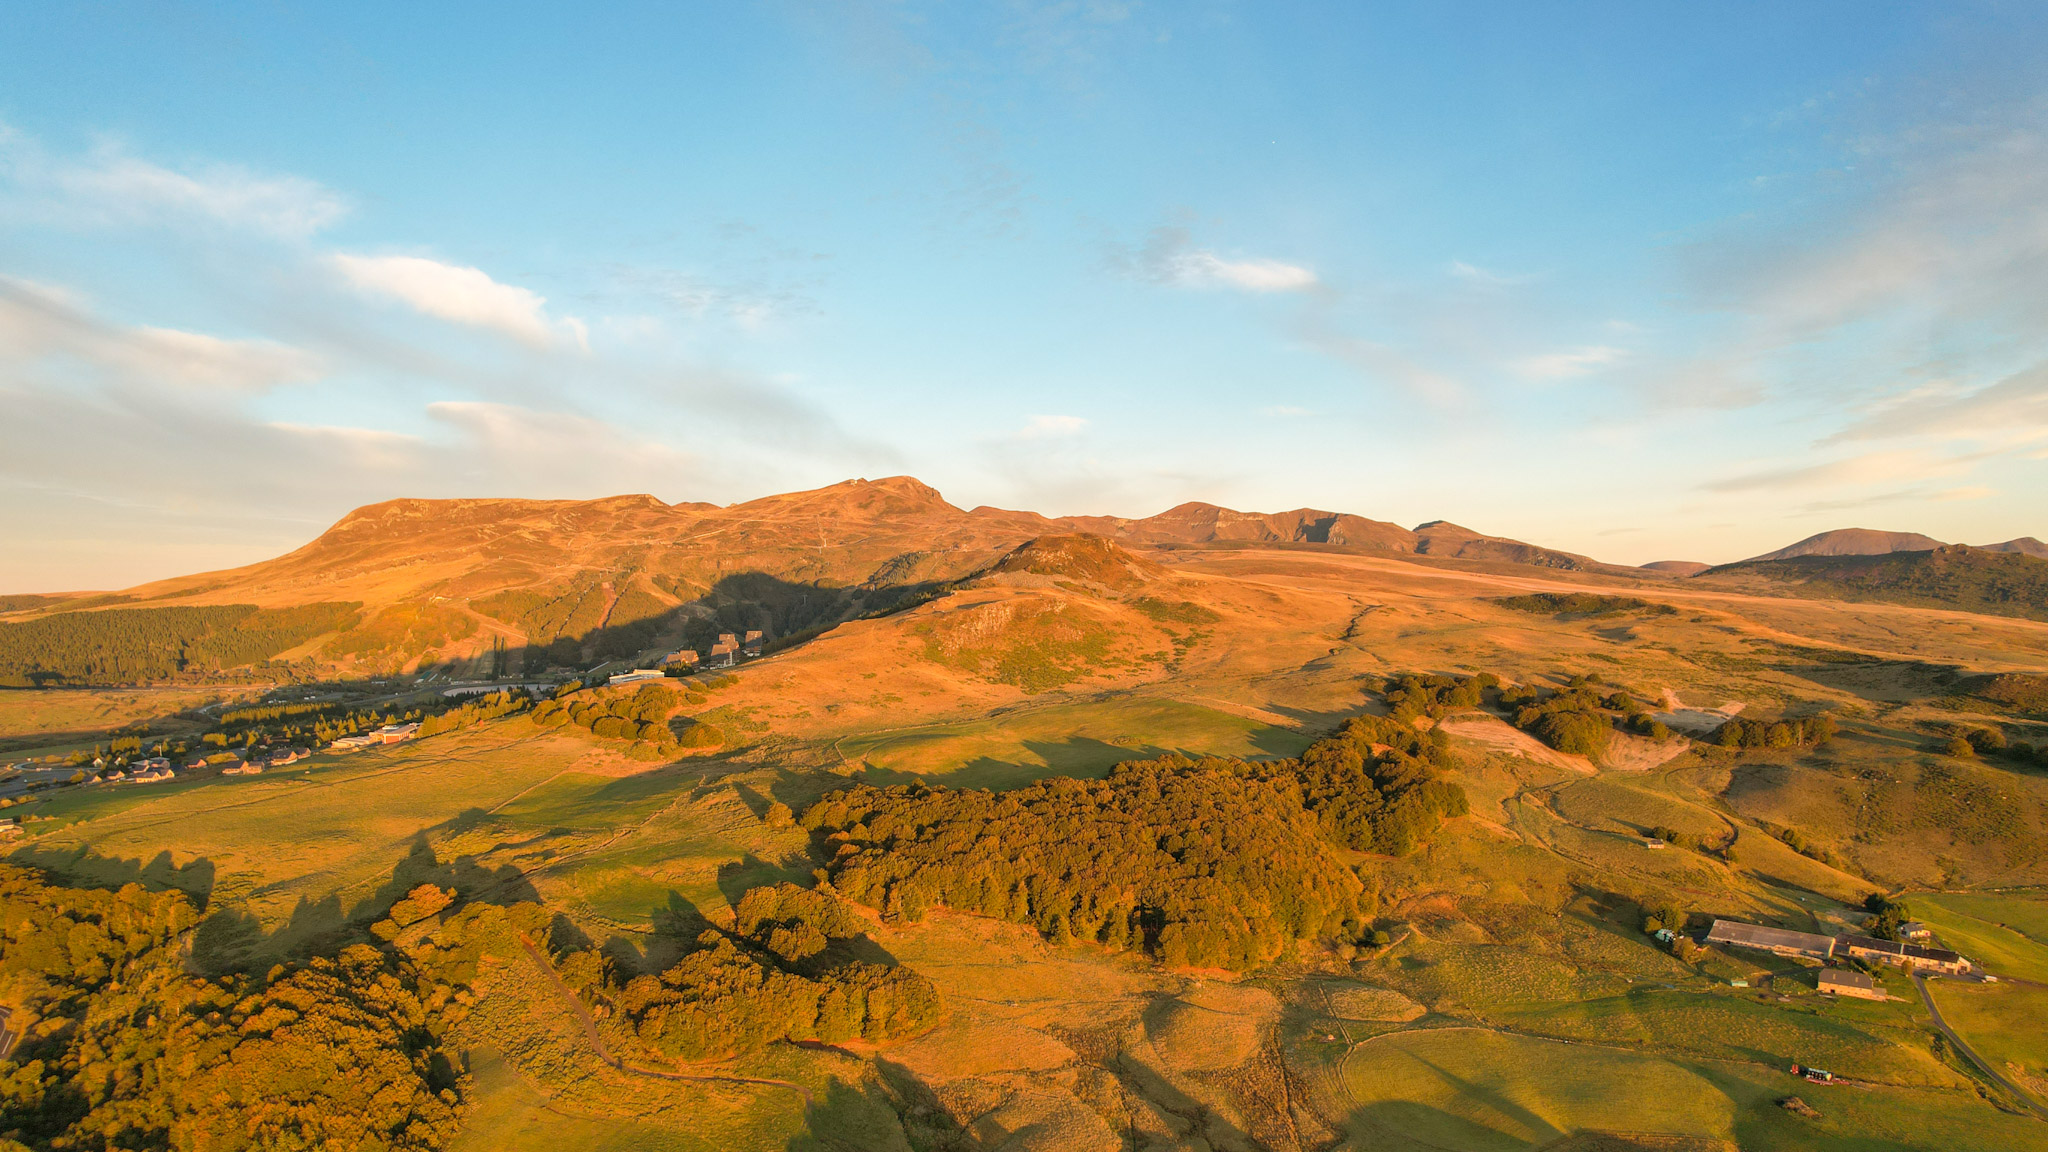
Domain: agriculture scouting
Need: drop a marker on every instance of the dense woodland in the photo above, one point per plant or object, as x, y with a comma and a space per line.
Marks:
1204, 863
785, 972
123, 1048
127, 645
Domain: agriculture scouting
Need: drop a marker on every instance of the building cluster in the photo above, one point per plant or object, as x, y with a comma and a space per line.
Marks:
388, 734
1848, 946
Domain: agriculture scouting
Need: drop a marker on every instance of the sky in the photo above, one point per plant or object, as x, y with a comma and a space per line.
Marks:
1641, 281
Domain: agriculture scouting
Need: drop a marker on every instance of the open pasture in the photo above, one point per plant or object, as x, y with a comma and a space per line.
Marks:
1471, 1089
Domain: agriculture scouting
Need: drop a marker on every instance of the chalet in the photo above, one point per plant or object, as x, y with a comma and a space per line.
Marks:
1911, 957
724, 652
684, 656
152, 776
753, 642
243, 770
1915, 930
1777, 941
1843, 982
151, 764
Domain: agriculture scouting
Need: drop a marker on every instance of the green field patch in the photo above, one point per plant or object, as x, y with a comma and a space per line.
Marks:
1469, 1090
1086, 739
511, 1115
2005, 934
1486, 976
2006, 1024
579, 800
1610, 806
1726, 1026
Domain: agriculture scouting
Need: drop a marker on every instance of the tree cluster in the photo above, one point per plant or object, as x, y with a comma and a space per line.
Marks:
131, 645
1802, 733
1886, 916
122, 1048
1571, 719
1582, 604
640, 716
1410, 695
476, 711
1201, 863
1375, 785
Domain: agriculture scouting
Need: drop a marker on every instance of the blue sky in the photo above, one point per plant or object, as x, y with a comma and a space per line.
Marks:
1641, 281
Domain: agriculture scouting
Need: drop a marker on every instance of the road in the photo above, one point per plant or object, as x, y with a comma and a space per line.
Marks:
1970, 1054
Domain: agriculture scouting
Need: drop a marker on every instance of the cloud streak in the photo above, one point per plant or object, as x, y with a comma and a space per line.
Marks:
461, 295
108, 186
1169, 256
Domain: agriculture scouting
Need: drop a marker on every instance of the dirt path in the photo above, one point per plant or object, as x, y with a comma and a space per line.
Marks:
597, 1044
1970, 1054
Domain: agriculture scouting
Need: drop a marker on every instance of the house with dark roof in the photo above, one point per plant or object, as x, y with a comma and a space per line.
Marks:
1777, 941
1911, 957
1845, 982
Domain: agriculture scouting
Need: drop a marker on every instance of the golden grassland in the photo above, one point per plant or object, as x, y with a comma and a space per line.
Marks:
1518, 1002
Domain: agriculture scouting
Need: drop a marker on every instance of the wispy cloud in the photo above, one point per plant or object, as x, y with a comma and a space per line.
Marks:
38, 322
108, 185
1885, 467
1567, 364
1169, 256
461, 295
1043, 427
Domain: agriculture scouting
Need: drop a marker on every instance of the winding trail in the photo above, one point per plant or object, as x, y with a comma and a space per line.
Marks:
597, 1043
1970, 1054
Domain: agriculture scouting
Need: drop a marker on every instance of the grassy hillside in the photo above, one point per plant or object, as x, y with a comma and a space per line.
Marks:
575, 898
1959, 577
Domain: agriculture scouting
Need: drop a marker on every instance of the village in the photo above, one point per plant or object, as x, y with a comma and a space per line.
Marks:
23, 780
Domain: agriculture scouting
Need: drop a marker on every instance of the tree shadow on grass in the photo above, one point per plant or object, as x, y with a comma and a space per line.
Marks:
232, 939
86, 868
846, 1117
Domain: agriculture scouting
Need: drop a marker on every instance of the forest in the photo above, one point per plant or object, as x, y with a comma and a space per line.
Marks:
1201, 863
131, 645
123, 1048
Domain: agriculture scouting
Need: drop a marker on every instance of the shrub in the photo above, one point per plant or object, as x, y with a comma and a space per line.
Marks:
701, 736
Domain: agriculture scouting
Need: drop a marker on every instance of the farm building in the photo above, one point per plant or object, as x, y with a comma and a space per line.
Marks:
1911, 957
754, 639
1777, 941
1842, 982
635, 676
393, 733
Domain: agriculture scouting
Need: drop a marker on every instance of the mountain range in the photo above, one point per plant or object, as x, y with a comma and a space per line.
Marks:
505, 585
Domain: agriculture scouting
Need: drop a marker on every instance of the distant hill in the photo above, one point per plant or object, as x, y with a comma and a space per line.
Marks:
1853, 542
494, 587
1866, 542
2025, 545
1677, 567
1948, 576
